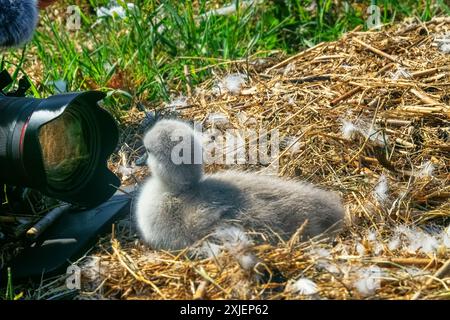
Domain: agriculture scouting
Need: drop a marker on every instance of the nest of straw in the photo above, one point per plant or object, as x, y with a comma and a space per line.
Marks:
366, 116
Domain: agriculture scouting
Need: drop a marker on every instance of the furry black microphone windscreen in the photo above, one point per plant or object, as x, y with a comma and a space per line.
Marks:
18, 19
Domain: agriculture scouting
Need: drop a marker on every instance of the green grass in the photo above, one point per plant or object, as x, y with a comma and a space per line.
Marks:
9, 294
142, 58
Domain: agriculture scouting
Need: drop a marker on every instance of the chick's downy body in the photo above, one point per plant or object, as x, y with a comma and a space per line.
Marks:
179, 205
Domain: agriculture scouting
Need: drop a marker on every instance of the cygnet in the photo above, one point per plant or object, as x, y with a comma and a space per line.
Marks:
179, 204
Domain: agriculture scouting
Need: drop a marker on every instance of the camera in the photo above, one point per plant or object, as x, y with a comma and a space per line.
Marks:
54, 152
58, 145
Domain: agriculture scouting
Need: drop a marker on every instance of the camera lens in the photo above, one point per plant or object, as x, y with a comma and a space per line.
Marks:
59, 145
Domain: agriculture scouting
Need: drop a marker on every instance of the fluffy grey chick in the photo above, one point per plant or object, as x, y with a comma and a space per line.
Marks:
179, 205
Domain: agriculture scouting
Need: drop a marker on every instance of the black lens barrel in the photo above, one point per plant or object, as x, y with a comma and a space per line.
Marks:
14, 113
21, 157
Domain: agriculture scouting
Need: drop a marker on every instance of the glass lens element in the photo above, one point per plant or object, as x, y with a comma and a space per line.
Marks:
65, 149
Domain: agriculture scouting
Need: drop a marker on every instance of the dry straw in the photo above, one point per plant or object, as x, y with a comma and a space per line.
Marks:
369, 117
